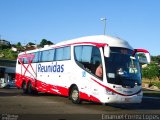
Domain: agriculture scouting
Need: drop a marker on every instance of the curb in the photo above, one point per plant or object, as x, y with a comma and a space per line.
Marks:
158, 90
146, 97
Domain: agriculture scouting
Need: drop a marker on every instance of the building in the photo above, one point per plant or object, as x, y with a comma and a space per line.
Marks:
7, 71
4, 42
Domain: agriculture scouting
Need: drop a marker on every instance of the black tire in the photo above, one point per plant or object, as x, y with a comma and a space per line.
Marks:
7, 86
24, 87
31, 91
74, 95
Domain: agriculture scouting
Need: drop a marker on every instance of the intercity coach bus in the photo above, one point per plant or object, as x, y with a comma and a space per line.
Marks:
69, 69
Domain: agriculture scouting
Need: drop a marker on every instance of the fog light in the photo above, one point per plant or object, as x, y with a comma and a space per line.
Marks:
108, 92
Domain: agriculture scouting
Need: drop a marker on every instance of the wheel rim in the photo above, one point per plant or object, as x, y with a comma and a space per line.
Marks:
30, 88
24, 86
75, 95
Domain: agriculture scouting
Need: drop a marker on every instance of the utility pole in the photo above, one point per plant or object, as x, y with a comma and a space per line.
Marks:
104, 19
0, 43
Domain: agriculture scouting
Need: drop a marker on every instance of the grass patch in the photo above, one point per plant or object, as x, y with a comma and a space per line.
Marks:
155, 82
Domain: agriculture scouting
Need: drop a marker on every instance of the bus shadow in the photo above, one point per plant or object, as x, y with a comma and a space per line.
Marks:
147, 104
18, 92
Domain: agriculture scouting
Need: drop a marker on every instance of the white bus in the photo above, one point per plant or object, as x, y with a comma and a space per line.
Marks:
69, 69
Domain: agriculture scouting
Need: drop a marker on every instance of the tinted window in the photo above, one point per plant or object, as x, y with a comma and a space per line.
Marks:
36, 57
25, 60
59, 54
20, 60
96, 56
88, 58
47, 55
78, 53
63, 53
86, 53
66, 53
51, 55
83, 53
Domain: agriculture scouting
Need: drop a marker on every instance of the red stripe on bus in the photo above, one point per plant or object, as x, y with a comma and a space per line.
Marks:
77, 43
139, 50
53, 89
114, 90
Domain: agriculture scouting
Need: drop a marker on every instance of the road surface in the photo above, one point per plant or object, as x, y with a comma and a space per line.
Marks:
15, 105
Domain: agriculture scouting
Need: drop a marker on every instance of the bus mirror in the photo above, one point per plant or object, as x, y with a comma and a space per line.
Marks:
143, 56
106, 51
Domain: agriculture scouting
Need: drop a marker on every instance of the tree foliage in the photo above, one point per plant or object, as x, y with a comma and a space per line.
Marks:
8, 54
45, 42
151, 71
156, 59
2, 47
31, 43
18, 44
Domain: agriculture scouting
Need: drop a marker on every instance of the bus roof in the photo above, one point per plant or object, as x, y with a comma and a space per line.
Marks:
111, 41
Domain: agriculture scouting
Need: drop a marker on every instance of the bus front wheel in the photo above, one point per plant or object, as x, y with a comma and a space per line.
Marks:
74, 95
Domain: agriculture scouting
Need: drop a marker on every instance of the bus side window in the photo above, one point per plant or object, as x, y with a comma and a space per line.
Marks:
83, 56
46, 56
63, 53
96, 61
67, 53
51, 53
20, 59
88, 58
36, 57
25, 60
59, 54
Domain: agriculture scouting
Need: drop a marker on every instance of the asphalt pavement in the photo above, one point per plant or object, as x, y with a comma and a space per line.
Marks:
16, 105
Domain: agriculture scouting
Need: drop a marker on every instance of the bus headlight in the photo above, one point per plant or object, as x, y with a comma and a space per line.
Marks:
108, 92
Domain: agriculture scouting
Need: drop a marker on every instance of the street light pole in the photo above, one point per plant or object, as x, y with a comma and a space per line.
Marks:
104, 19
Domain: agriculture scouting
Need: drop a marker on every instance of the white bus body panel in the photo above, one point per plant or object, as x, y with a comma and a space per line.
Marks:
90, 87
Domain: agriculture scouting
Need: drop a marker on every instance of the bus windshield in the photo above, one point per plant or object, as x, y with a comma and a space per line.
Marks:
122, 68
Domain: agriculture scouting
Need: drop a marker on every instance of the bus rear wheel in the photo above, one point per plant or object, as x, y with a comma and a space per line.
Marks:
30, 89
74, 95
24, 87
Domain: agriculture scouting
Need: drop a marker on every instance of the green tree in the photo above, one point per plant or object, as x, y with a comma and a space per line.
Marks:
9, 54
45, 42
19, 44
5, 44
151, 71
30, 43
156, 59
2, 47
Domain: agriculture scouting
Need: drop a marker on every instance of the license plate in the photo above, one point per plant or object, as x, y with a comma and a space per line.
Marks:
127, 99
